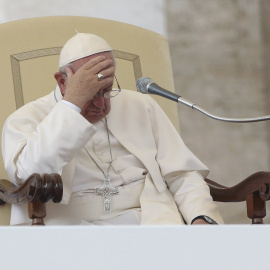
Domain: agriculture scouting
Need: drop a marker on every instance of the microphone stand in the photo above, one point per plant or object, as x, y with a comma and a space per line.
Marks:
225, 119
146, 86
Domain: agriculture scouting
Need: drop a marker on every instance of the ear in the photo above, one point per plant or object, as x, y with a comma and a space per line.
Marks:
61, 81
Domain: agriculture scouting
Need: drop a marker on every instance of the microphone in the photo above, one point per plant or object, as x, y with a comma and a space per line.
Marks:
146, 86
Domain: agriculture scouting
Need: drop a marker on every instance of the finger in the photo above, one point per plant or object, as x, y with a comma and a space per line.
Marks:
93, 62
107, 64
98, 65
109, 72
105, 83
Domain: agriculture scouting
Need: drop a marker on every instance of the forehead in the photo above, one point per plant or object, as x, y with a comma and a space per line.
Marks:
80, 62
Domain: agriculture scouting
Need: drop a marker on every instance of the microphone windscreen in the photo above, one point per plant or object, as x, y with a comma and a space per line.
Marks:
142, 84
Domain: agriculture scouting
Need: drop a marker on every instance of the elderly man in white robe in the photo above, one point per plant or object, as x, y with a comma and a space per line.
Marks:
120, 158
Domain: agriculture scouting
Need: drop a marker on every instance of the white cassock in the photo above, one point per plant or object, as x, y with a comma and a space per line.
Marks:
160, 181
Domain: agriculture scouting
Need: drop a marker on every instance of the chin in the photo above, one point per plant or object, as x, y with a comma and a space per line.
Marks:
93, 119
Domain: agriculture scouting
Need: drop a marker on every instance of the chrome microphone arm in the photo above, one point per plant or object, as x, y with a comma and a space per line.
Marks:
225, 119
146, 86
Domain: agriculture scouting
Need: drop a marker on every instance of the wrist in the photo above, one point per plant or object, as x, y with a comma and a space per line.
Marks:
72, 105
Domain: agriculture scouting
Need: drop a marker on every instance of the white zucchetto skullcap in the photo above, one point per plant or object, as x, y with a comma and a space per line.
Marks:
82, 45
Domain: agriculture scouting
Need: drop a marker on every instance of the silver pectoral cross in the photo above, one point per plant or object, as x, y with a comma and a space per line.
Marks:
107, 190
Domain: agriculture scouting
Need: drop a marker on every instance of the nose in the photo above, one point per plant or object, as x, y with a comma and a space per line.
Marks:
99, 101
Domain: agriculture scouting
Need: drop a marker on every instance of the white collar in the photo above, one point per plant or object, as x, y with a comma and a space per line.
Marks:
57, 94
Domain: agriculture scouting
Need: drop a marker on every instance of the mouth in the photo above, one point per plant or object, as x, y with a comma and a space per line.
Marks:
94, 113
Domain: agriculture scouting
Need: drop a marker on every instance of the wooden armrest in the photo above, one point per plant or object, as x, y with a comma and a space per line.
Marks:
255, 190
37, 190
257, 182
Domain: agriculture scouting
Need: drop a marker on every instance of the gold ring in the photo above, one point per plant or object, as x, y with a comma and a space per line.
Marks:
100, 77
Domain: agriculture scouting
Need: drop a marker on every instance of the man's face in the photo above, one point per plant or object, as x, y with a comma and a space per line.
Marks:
97, 108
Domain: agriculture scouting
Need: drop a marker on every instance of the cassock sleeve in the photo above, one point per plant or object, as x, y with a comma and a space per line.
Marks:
182, 171
43, 139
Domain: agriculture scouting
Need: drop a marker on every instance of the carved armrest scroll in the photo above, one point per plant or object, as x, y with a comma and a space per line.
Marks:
37, 190
255, 190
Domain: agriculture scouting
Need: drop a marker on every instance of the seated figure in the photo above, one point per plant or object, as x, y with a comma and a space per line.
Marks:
121, 160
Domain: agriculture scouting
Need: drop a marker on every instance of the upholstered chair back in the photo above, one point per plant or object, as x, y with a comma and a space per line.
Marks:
29, 53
